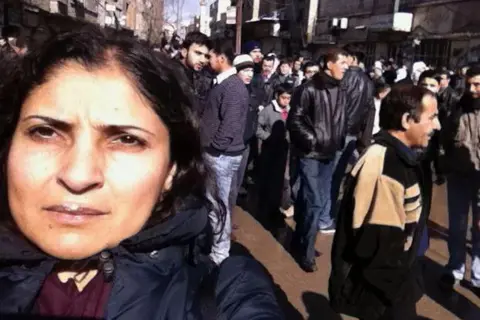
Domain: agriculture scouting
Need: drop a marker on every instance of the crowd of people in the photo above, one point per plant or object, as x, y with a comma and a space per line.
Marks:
122, 166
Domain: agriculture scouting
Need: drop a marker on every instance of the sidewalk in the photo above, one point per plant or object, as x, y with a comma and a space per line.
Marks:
304, 296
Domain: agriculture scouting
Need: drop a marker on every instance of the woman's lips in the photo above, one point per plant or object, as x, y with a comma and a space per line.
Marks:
74, 214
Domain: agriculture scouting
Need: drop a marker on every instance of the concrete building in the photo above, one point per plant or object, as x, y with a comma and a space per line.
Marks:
38, 19
218, 20
439, 32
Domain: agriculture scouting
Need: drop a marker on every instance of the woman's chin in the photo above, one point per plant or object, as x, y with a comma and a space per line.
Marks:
71, 247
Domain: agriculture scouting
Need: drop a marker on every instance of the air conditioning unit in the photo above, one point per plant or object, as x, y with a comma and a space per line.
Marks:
339, 23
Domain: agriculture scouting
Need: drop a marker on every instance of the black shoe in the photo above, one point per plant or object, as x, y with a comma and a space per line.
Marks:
308, 266
448, 281
440, 180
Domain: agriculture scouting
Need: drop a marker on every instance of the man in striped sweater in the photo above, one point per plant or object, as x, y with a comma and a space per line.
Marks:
222, 128
382, 215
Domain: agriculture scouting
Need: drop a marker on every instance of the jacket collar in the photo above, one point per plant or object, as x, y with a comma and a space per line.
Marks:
408, 155
323, 81
277, 108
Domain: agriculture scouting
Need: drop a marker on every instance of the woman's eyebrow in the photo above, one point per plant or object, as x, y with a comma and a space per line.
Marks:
66, 126
63, 125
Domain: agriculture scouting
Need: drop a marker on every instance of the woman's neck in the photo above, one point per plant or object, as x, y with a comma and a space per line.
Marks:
81, 280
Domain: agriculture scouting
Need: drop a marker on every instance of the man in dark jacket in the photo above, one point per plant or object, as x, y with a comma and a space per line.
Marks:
222, 129
447, 96
317, 131
360, 112
381, 217
194, 57
461, 136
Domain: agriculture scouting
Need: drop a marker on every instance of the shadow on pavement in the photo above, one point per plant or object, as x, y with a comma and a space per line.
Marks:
318, 307
453, 301
291, 313
277, 226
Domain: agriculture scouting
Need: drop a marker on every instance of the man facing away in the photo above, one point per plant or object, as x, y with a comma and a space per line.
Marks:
317, 131
381, 218
222, 129
194, 56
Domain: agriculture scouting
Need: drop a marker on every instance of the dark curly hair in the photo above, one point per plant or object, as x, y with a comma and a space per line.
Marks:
156, 78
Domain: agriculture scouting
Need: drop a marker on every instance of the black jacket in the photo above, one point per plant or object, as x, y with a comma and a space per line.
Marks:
252, 115
318, 127
447, 101
158, 274
201, 83
379, 226
360, 94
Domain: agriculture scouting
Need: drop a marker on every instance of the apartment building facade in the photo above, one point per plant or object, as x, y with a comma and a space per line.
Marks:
38, 19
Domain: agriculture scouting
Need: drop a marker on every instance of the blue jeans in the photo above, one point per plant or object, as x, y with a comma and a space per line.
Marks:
224, 168
463, 192
312, 205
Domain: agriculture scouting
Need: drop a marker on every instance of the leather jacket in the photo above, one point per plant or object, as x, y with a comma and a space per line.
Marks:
360, 94
318, 127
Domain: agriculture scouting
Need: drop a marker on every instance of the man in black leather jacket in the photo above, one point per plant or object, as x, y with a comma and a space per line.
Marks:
360, 112
194, 57
317, 127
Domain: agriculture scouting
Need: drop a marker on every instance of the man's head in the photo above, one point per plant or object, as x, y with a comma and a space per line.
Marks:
195, 50
297, 63
310, 69
284, 68
473, 81
253, 49
221, 57
336, 63
444, 79
283, 95
410, 114
267, 64
430, 79
354, 55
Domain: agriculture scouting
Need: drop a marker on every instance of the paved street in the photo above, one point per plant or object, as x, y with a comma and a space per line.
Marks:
304, 296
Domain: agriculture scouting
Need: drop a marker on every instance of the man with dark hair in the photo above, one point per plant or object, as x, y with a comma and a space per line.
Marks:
194, 56
381, 219
462, 151
310, 68
360, 112
317, 131
447, 96
283, 75
222, 127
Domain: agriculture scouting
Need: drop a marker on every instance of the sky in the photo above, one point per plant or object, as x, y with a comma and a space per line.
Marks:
190, 9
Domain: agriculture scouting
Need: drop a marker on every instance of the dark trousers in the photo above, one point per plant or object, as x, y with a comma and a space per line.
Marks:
312, 205
403, 311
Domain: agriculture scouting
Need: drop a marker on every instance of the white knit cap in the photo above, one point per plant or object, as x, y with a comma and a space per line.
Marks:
243, 61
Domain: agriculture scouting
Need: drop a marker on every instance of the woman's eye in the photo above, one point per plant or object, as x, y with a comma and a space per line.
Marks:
130, 140
42, 132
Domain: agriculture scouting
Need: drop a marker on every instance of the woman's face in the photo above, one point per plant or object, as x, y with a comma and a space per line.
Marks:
89, 159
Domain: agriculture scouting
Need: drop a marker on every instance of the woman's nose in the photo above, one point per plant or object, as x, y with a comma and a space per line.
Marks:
82, 170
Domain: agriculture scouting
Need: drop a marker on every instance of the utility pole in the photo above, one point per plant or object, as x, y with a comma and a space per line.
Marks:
239, 24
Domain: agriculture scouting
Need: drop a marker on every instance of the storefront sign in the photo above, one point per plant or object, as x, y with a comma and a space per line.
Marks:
400, 21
